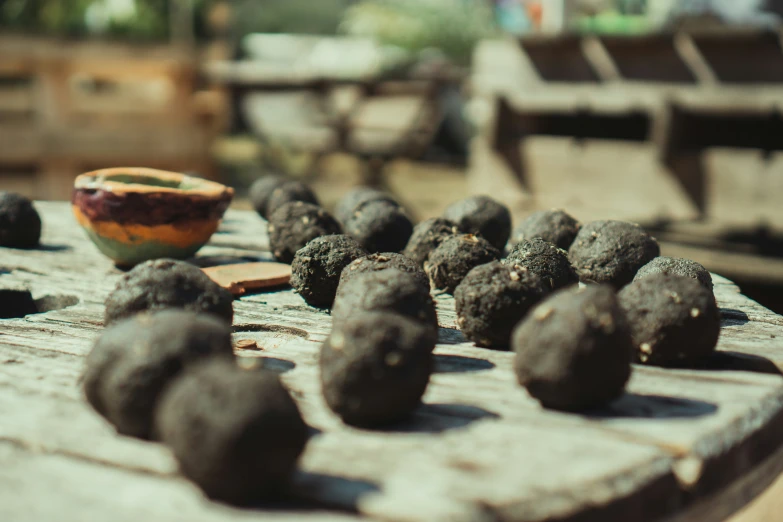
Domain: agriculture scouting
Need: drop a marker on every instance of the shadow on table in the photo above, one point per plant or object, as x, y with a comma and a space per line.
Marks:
321, 491
437, 418
208, 261
450, 336
447, 363
732, 317
639, 406
740, 362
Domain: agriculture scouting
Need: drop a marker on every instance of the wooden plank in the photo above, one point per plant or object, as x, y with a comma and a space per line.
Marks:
479, 448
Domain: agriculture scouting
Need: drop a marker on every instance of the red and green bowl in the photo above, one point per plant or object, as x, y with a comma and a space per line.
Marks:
136, 214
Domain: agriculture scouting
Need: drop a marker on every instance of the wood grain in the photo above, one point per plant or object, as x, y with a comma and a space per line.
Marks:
479, 448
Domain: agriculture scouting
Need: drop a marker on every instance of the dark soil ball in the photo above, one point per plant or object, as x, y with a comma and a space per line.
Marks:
375, 367
427, 236
236, 433
385, 261
20, 224
545, 260
388, 291
289, 192
134, 360
611, 252
554, 226
166, 283
293, 225
492, 299
676, 266
16, 303
356, 198
483, 216
448, 264
261, 190
380, 226
316, 269
674, 320
574, 350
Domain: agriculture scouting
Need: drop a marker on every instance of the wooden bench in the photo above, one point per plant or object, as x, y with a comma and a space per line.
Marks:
680, 446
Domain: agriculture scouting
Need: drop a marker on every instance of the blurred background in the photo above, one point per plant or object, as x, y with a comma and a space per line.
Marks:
664, 112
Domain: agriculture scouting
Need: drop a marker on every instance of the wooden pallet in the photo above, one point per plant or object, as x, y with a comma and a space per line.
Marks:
676, 127
68, 107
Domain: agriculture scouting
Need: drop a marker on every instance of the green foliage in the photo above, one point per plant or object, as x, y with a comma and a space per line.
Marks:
68, 18
453, 26
288, 16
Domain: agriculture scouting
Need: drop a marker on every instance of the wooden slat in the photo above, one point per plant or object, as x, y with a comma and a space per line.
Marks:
478, 449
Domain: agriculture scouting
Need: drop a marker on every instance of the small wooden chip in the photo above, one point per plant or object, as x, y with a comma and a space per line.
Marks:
242, 277
246, 344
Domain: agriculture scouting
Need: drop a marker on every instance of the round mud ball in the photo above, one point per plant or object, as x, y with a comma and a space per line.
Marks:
388, 290
380, 226
16, 302
676, 266
316, 269
611, 252
375, 368
20, 224
427, 236
357, 197
492, 299
237, 434
289, 192
545, 260
292, 225
166, 283
261, 190
574, 350
555, 226
448, 264
674, 320
385, 261
135, 359
483, 216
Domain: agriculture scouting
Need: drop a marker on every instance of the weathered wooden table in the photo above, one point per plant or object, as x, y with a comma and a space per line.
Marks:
684, 445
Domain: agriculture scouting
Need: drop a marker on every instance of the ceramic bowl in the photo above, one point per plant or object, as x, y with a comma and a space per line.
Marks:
136, 214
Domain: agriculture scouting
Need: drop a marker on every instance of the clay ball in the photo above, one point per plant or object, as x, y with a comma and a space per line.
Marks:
674, 320
316, 269
427, 236
292, 225
167, 283
380, 226
676, 266
387, 290
545, 260
261, 190
448, 264
236, 433
574, 350
385, 261
483, 216
20, 224
555, 226
611, 252
375, 367
134, 360
355, 198
288, 192
492, 299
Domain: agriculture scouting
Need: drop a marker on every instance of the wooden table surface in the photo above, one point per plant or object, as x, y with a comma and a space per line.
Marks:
681, 445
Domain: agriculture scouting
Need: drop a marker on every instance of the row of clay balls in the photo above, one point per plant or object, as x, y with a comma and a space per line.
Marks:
574, 342
164, 369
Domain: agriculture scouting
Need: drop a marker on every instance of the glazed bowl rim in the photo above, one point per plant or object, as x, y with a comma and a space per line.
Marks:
101, 180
